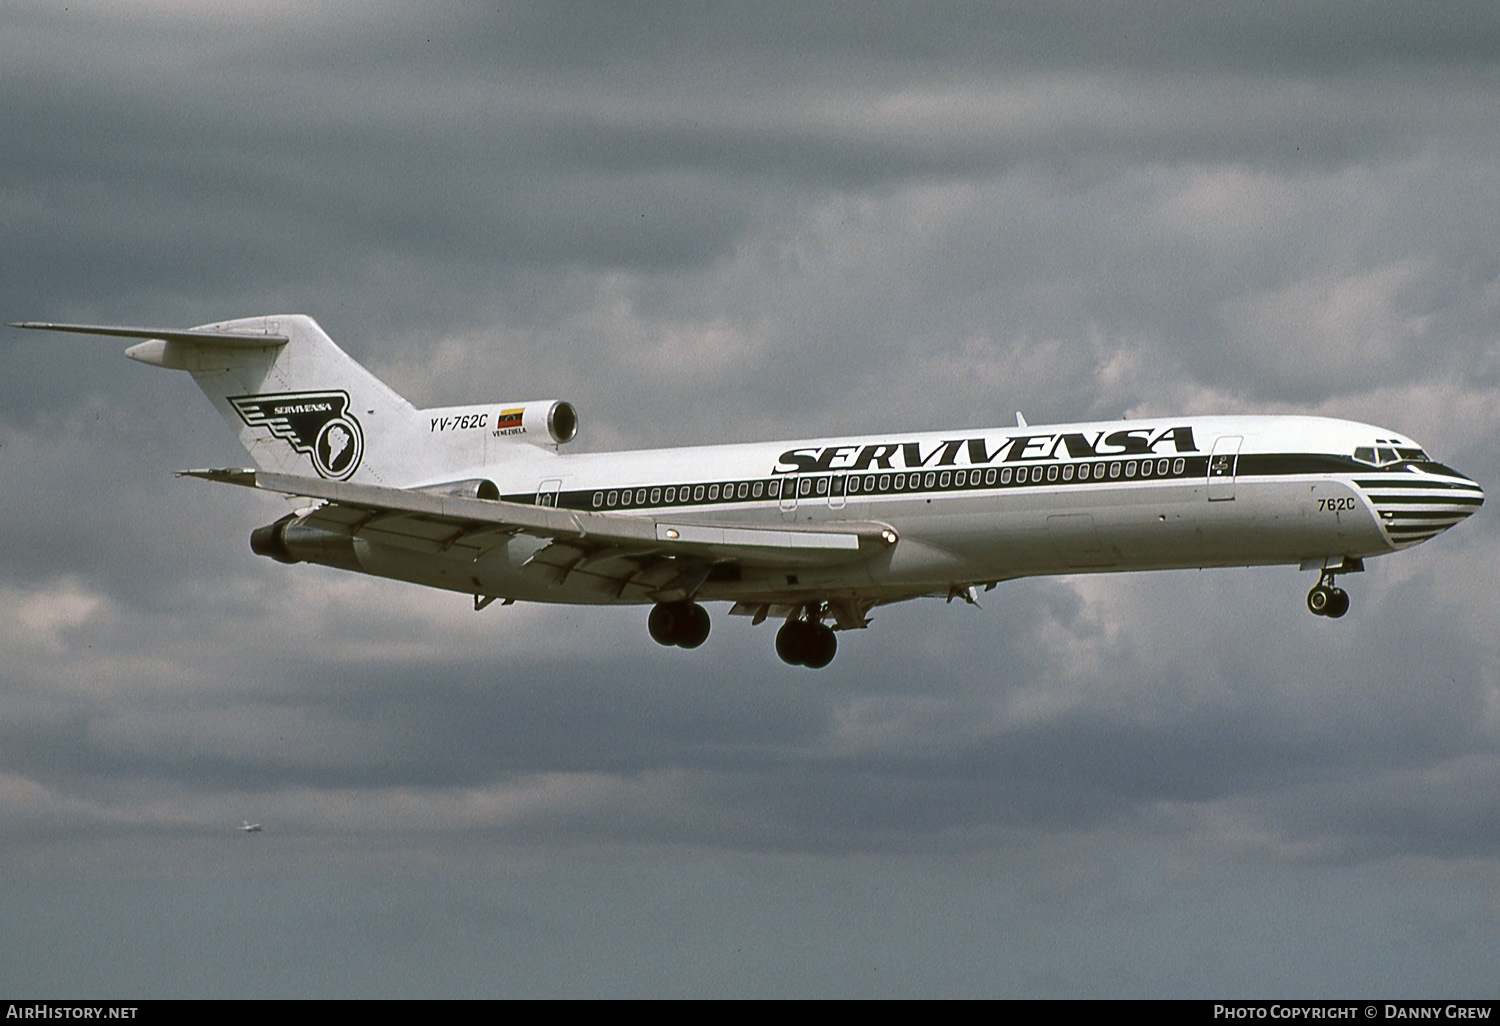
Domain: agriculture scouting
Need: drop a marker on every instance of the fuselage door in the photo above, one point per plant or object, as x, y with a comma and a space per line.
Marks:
1221, 467
788, 495
546, 492
836, 491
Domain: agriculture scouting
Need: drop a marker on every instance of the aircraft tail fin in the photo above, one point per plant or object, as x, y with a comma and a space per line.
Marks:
298, 403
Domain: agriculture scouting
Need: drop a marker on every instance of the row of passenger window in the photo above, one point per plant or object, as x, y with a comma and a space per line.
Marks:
1004, 476
822, 485
729, 491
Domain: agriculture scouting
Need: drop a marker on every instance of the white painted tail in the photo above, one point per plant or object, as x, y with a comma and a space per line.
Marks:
302, 406
298, 403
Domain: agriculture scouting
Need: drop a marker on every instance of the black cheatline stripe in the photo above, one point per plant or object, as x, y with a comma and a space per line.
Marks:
1273, 464
1194, 470
1039, 475
1426, 500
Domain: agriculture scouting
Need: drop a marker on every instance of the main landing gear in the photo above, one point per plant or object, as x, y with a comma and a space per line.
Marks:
684, 624
804, 640
807, 643
1327, 600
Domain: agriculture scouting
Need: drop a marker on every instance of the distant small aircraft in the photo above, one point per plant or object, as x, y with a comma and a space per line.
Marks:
476, 499
251, 828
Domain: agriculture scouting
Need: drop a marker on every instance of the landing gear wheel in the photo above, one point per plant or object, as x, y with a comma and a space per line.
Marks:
1327, 599
804, 643
695, 630
665, 621
791, 642
822, 649
684, 624
1338, 603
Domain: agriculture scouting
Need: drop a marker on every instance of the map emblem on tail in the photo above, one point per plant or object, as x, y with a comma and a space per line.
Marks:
316, 424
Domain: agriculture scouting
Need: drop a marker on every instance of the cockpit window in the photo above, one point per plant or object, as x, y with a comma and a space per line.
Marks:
1386, 451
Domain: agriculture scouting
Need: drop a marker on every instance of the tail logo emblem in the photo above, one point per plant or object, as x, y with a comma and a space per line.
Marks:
316, 424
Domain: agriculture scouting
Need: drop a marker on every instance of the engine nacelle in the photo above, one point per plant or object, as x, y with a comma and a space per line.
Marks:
468, 488
538, 420
290, 540
554, 418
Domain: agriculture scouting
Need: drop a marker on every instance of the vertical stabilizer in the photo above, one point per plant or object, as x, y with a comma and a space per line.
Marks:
303, 407
298, 403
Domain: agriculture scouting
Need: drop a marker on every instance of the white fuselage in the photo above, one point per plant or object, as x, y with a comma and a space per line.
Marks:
979, 506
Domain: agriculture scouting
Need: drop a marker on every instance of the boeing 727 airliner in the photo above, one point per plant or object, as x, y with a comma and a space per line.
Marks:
478, 499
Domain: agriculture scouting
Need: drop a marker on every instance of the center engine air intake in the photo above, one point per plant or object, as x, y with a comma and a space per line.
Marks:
556, 419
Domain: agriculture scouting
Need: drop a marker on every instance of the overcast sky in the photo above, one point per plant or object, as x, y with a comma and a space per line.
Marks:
724, 223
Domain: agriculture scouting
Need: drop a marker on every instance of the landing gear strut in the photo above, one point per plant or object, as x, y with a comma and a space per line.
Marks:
1326, 599
684, 624
807, 643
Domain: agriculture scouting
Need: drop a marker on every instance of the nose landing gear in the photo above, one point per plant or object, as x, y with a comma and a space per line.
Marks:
1326, 599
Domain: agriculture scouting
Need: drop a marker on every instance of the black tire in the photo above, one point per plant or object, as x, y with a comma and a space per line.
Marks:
822, 647
791, 643
695, 627
665, 622
1338, 603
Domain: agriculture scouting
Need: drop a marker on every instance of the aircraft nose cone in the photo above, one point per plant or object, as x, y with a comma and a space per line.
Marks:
1418, 506
1465, 491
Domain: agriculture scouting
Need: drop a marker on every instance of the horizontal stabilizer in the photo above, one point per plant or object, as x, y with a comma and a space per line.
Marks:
233, 475
197, 336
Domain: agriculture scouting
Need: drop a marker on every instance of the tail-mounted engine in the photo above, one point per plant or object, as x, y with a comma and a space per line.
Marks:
538, 421
551, 419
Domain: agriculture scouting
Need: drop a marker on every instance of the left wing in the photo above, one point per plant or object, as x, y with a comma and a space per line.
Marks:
665, 556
